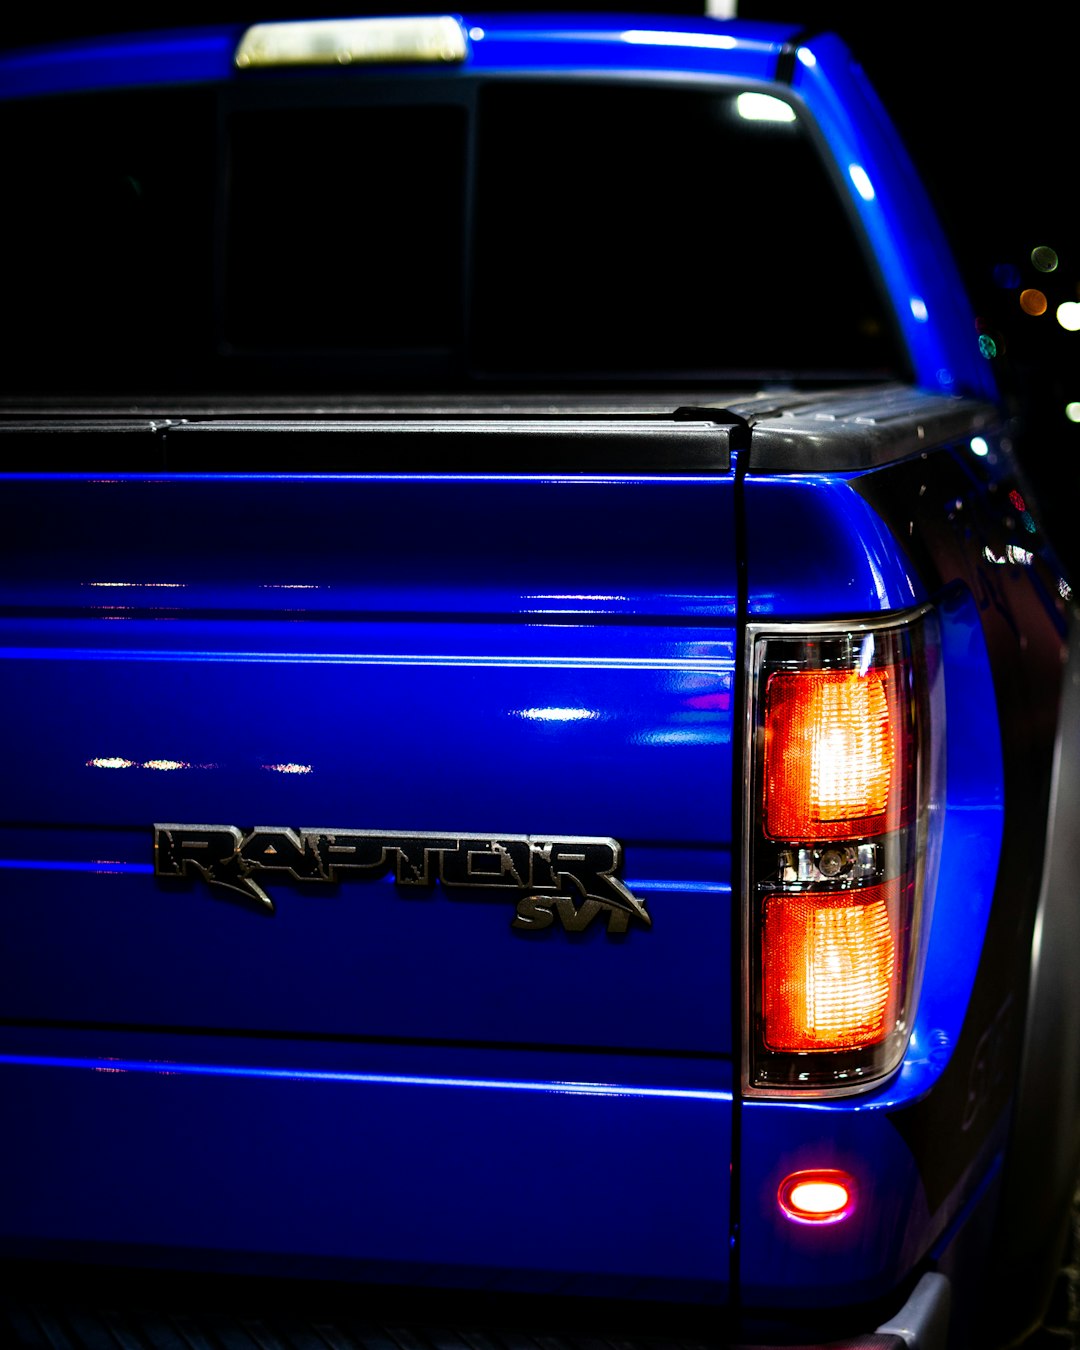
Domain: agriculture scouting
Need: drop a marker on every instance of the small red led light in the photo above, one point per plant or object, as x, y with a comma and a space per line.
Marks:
822, 1195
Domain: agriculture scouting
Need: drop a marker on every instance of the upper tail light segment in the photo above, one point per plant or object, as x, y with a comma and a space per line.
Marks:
840, 781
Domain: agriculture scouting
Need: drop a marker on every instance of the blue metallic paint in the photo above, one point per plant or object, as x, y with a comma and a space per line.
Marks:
286, 1166
902, 229
814, 548
477, 712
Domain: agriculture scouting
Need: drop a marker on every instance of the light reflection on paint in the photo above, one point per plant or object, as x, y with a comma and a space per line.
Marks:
63, 865
861, 179
645, 38
708, 733
139, 585
165, 765
345, 1076
287, 586
112, 762
288, 768
807, 57
918, 309
556, 714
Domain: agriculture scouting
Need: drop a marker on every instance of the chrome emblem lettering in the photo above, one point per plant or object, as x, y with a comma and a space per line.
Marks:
572, 881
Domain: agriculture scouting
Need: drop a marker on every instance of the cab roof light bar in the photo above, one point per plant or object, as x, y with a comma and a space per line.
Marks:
436, 38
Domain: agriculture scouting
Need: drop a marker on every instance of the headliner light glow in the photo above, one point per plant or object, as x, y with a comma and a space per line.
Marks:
643, 37
61, 865
764, 108
861, 179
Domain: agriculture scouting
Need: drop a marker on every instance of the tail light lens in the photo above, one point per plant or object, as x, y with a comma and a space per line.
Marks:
840, 783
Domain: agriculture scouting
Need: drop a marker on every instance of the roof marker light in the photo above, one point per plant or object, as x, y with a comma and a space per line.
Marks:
331, 42
824, 1195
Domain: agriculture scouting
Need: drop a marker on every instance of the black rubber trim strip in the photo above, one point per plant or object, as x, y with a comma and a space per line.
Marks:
785, 62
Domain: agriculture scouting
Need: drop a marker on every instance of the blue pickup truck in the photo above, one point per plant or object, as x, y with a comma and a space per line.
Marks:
536, 699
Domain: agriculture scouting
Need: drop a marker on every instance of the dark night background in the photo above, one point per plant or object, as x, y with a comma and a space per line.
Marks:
985, 100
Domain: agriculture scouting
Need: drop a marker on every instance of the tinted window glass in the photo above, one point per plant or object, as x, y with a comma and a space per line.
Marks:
106, 238
662, 230
170, 239
345, 227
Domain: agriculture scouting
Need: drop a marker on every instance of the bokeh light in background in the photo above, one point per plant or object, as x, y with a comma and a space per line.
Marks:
1033, 302
1044, 258
1068, 315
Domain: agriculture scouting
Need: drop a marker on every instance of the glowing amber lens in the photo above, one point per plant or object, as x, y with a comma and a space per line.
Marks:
832, 752
829, 969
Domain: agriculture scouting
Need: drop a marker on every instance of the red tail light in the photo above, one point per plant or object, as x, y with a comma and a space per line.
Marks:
833, 751
839, 773
829, 968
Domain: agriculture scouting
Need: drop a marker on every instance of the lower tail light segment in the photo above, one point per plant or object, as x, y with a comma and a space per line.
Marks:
840, 781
